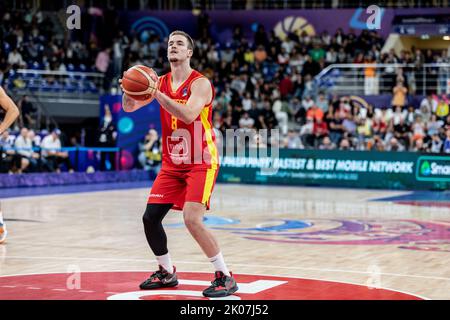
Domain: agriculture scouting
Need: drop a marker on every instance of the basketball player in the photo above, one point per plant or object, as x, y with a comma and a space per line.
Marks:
185, 182
12, 112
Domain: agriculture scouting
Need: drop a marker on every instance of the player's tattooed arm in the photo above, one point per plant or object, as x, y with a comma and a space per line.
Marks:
12, 112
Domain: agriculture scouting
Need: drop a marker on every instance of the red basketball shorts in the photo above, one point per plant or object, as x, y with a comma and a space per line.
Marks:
180, 185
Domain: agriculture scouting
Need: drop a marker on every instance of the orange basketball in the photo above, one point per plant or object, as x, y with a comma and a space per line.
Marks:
140, 82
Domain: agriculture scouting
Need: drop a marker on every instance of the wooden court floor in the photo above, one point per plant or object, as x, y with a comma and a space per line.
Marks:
322, 235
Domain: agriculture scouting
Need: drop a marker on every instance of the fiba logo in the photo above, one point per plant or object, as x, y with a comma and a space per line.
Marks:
293, 25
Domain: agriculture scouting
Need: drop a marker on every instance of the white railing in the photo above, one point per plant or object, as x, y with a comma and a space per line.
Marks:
378, 78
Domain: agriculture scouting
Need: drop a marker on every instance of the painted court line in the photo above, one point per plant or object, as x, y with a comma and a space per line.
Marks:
233, 264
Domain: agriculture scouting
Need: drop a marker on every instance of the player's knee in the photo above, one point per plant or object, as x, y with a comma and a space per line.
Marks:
192, 222
153, 214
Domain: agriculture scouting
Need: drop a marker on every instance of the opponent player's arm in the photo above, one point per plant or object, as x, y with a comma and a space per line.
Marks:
201, 94
12, 112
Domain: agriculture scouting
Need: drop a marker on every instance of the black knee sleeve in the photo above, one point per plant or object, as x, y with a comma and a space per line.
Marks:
154, 231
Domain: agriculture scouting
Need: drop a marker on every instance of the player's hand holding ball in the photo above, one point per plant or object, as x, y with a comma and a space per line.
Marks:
140, 83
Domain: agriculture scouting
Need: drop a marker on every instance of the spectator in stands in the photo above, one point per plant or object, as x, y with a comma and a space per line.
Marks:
307, 133
15, 59
27, 112
442, 109
52, 153
446, 145
293, 141
326, 144
245, 126
402, 133
107, 139
315, 112
370, 78
150, 155
399, 95
280, 109
24, 146
320, 131
418, 132
394, 145
9, 161
345, 144
336, 128
436, 144
322, 102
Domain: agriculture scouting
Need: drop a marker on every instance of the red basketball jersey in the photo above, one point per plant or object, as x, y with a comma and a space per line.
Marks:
187, 145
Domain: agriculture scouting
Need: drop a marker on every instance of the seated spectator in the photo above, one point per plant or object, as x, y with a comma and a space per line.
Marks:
345, 144
246, 123
378, 144
424, 111
151, 152
314, 112
418, 131
327, 144
322, 102
436, 144
247, 102
434, 125
394, 145
294, 105
349, 125
446, 145
320, 130
24, 146
419, 146
52, 153
428, 103
442, 109
379, 126
293, 141
336, 129
306, 133
280, 109
15, 59
10, 162
402, 133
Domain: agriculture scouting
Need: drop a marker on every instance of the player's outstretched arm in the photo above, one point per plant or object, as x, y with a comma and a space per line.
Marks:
201, 94
12, 112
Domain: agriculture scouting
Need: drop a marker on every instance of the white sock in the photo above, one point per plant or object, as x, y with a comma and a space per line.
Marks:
165, 262
1, 218
219, 264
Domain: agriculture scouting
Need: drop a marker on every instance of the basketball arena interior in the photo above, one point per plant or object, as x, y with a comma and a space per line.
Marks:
331, 124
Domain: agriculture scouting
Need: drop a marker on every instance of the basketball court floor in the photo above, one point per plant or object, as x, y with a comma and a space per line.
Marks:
86, 242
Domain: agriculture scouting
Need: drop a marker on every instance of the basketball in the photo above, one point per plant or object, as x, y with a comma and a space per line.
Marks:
140, 82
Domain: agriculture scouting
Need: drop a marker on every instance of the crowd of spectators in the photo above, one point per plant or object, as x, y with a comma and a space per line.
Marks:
262, 82
30, 152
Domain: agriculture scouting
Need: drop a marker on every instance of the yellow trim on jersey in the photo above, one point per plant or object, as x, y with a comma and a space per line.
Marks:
209, 181
212, 148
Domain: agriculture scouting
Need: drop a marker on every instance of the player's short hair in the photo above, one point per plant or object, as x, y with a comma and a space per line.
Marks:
184, 34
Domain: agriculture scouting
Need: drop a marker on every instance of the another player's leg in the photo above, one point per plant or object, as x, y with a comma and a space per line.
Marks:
224, 283
3, 232
165, 276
